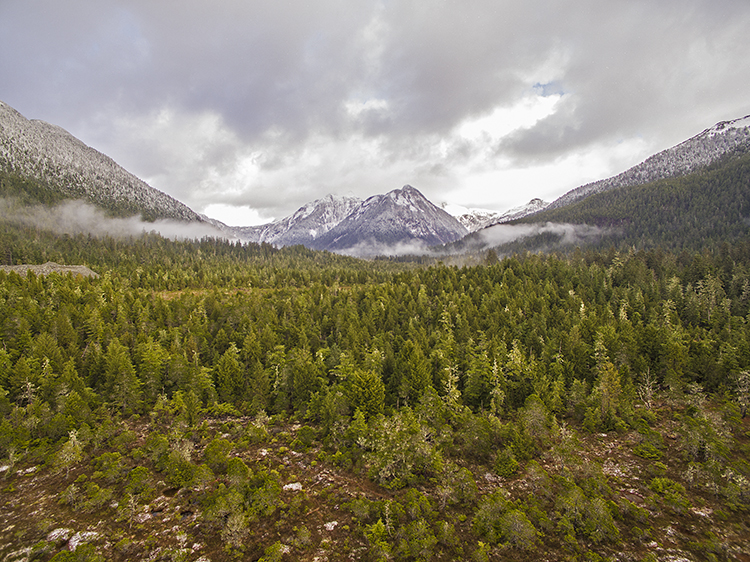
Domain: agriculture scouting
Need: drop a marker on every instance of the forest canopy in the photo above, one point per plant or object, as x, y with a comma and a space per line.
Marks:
441, 387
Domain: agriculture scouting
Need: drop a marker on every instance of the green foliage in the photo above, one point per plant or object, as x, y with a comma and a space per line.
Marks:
420, 378
139, 483
506, 464
178, 470
487, 517
700, 210
305, 438
516, 529
671, 494
109, 466
366, 392
647, 450
216, 455
83, 553
402, 452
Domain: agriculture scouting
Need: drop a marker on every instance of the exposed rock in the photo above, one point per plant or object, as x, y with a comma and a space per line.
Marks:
50, 267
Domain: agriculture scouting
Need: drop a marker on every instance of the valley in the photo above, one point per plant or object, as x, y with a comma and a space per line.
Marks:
555, 395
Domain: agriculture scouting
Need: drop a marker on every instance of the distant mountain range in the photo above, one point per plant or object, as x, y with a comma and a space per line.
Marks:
400, 221
305, 225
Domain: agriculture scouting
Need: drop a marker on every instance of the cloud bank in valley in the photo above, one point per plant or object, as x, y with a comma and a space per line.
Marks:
260, 107
78, 217
569, 234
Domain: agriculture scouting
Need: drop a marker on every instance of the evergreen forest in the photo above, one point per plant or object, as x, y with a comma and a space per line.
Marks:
207, 400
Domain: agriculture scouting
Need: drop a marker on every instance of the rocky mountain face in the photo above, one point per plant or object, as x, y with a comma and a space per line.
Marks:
304, 226
400, 218
49, 153
724, 138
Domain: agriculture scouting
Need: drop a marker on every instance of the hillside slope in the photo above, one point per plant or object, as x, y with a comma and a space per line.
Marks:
700, 210
724, 138
48, 153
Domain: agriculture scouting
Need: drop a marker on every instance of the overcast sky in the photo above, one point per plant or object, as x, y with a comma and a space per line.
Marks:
245, 110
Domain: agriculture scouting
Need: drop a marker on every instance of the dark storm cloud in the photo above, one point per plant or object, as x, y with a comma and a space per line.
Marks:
270, 104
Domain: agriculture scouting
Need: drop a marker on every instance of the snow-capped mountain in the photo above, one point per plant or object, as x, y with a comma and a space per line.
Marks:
724, 138
389, 223
533, 206
471, 219
49, 153
305, 225
477, 219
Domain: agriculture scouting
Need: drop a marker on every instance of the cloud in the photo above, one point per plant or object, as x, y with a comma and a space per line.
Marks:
569, 234
371, 248
77, 217
269, 105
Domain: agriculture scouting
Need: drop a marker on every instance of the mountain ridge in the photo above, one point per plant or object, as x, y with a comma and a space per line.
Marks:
697, 152
47, 152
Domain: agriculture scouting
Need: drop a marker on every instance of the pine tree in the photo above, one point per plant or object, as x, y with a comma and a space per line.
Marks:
121, 386
228, 375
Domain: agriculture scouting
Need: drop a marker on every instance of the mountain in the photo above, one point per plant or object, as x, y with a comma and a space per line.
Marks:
477, 219
394, 221
471, 219
533, 206
699, 211
724, 138
49, 154
305, 225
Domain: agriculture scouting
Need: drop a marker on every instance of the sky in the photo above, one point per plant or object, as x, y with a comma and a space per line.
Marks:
246, 110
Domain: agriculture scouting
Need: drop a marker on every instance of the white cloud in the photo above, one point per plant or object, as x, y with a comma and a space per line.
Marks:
235, 215
503, 120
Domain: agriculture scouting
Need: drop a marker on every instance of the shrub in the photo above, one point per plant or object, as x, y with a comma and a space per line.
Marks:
110, 466
647, 450
84, 553
216, 455
671, 493
506, 464
178, 471
237, 471
305, 438
417, 540
516, 529
402, 451
139, 482
487, 517
599, 525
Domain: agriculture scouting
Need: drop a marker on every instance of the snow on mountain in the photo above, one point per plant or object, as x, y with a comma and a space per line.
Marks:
477, 219
697, 152
521, 211
471, 219
399, 219
305, 225
49, 153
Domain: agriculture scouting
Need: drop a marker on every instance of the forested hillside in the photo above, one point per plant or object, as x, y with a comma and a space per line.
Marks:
203, 400
698, 211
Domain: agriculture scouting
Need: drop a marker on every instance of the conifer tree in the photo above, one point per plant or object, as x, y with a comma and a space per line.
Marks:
121, 386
